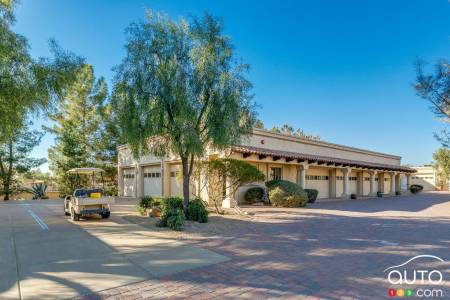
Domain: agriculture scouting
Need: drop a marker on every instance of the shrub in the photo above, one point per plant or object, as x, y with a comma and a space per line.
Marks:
283, 193
312, 195
196, 211
146, 202
172, 218
415, 188
254, 194
172, 203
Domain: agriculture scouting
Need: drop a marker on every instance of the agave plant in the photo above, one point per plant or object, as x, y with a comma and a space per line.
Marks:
38, 190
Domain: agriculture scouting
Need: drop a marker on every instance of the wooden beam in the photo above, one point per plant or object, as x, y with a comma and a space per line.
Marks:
261, 156
289, 159
245, 155
310, 161
300, 160
275, 158
320, 163
330, 163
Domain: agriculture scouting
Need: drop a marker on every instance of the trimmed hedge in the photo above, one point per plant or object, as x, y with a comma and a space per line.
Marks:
254, 194
415, 188
283, 193
172, 203
196, 211
312, 195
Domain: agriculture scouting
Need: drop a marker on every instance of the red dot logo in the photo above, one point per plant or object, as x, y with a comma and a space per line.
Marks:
391, 292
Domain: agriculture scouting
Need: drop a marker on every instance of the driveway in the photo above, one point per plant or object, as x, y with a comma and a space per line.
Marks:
330, 250
44, 255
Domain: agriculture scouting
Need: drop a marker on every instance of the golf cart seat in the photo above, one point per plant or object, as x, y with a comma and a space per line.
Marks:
84, 193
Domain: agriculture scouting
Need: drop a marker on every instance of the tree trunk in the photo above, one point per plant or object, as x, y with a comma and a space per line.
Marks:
186, 180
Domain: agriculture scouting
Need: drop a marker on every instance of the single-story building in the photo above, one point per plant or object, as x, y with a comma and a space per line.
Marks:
334, 170
428, 177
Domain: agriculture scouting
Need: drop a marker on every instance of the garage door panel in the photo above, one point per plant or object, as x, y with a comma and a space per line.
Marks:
152, 181
129, 183
318, 180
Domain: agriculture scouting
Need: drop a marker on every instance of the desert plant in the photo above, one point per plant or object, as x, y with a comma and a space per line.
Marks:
283, 193
169, 203
38, 190
146, 202
172, 218
415, 188
254, 194
312, 195
196, 211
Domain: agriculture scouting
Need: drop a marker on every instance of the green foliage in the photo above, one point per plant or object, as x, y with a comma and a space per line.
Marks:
172, 218
312, 195
435, 88
196, 211
254, 194
38, 190
442, 165
175, 85
379, 194
80, 126
15, 160
283, 193
237, 171
415, 188
145, 203
169, 203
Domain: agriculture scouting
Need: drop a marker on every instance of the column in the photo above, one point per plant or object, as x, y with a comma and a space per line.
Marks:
166, 179
302, 175
345, 193
360, 183
332, 183
408, 181
139, 182
373, 191
392, 192
229, 200
120, 182
398, 186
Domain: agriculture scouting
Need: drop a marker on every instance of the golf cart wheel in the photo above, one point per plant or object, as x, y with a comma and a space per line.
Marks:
74, 215
66, 213
105, 215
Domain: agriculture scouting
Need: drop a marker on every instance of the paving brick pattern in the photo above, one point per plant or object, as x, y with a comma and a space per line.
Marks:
333, 250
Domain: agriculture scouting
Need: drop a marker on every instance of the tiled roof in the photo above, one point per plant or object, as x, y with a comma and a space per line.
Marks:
320, 159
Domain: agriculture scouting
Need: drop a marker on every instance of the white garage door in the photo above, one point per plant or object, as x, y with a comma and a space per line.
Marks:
152, 181
318, 181
129, 183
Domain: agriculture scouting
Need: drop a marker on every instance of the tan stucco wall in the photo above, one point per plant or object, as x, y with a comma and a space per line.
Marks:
267, 140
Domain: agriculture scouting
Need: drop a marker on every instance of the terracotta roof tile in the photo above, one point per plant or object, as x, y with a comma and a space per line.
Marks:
320, 159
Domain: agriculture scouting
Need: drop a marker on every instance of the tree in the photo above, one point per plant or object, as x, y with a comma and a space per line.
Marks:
289, 130
180, 91
435, 88
77, 128
15, 160
223, 177
442, 164
27, 84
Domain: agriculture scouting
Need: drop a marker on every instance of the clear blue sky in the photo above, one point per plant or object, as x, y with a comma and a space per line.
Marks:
339, 69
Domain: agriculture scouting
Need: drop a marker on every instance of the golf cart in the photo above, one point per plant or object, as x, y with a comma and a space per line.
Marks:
88, 197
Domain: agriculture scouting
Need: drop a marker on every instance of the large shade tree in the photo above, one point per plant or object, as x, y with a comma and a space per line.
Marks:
180, 90
435, 88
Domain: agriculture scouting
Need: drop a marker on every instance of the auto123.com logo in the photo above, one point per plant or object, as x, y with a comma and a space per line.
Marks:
412, 279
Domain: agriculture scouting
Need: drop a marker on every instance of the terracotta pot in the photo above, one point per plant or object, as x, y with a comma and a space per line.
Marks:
156, 212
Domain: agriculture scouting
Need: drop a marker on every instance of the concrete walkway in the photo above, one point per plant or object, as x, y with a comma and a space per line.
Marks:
44, 255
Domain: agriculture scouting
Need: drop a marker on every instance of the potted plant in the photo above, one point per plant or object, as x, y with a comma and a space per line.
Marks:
398, 193
379, 194
353, 196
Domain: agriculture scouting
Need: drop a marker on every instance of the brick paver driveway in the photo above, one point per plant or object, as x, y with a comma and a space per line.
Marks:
332, 250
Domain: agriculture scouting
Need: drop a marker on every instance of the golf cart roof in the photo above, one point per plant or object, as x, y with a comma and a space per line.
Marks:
85, 170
